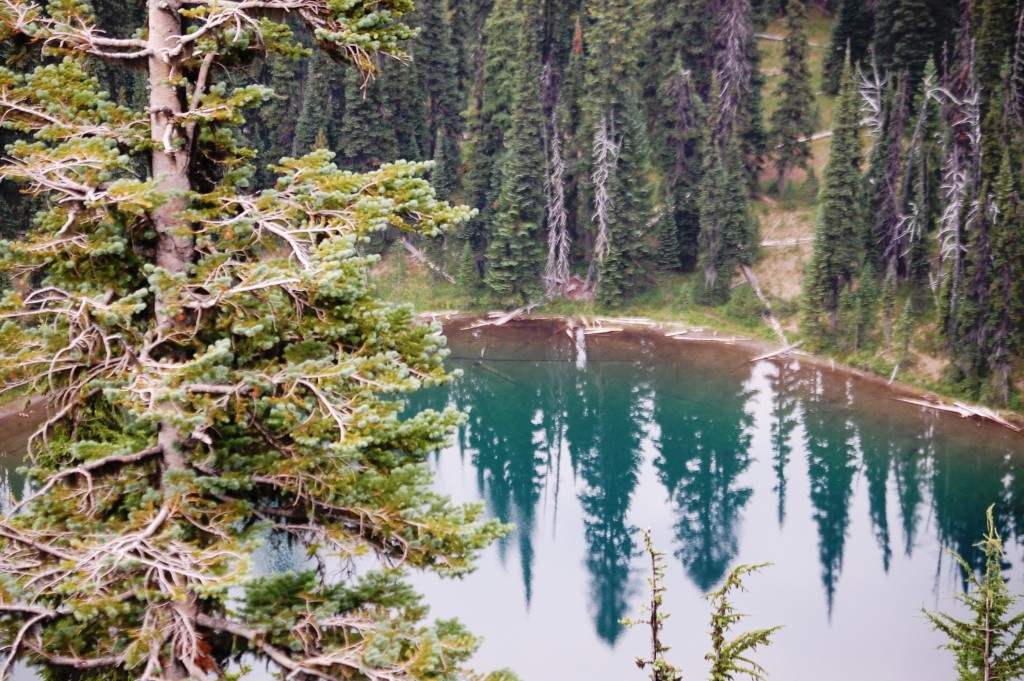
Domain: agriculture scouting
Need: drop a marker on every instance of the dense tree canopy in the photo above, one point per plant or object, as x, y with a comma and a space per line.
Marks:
219, 369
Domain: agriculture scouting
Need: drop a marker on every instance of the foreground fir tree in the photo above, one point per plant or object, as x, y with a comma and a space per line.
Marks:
218, 368
989, 644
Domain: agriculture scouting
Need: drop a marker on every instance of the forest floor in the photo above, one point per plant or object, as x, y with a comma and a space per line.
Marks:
787, 223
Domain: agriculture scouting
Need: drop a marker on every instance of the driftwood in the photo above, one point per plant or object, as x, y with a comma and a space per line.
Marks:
418, 256
711, 339
778, 353
594, 330
966, 411
500, 319
769, 316
635, 321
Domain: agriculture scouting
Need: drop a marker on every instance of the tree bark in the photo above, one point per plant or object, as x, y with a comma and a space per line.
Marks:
169, 167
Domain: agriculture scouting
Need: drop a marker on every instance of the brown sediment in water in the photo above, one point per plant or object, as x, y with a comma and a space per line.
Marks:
633, 329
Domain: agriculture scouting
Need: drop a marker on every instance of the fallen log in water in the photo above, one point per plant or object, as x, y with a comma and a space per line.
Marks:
967, 411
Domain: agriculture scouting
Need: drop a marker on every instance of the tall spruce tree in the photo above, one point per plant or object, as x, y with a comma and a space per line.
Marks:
727, 229
436, 61
851, 36
514, 255
318, 112
218, 366
794, 120
837, 252
1006, 312
621, 272
366, 138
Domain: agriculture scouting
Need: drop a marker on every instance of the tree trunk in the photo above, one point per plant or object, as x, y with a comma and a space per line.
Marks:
169, 166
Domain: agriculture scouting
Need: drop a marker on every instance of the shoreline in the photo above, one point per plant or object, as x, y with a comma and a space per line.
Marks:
902, 391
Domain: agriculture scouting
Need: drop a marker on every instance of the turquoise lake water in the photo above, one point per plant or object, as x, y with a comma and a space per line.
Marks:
583, 441
850, 494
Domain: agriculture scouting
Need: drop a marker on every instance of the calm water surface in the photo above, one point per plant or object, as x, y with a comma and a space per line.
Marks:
848, 493
582, 442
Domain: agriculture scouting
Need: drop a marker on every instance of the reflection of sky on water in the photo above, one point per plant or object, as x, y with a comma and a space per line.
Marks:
581, 441
728, 463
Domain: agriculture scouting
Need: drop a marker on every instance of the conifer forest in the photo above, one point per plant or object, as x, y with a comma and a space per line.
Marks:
217, 216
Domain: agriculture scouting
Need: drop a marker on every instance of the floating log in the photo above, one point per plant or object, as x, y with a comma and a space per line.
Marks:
594, 330
675, 334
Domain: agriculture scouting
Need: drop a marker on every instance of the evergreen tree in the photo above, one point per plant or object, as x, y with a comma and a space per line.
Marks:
1006, 314
436, 63
794, 120
667, 256
487, 117
366, 137
884, 240
833, 264
274, 122
679, 132
408, 111
851, 35
621, 272
989, 645
713, 196
317, 109
219, 368
514, 257
914, 39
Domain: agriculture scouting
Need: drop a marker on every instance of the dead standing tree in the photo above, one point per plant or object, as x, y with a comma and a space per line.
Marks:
215, 360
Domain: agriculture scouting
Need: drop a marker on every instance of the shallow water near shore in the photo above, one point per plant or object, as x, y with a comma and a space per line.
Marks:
581, 441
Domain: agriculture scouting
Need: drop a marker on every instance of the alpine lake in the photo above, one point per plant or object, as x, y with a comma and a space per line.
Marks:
581, 441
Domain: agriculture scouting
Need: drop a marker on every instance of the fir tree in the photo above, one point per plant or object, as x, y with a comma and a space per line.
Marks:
667, 256
851, 35
836, 239
366, 137
1006, 313
793, 121
914, 43
621, 272
436, 63
679, 133
316, 111
884, 238
408, 111
514, 258
990, 645
219, 368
